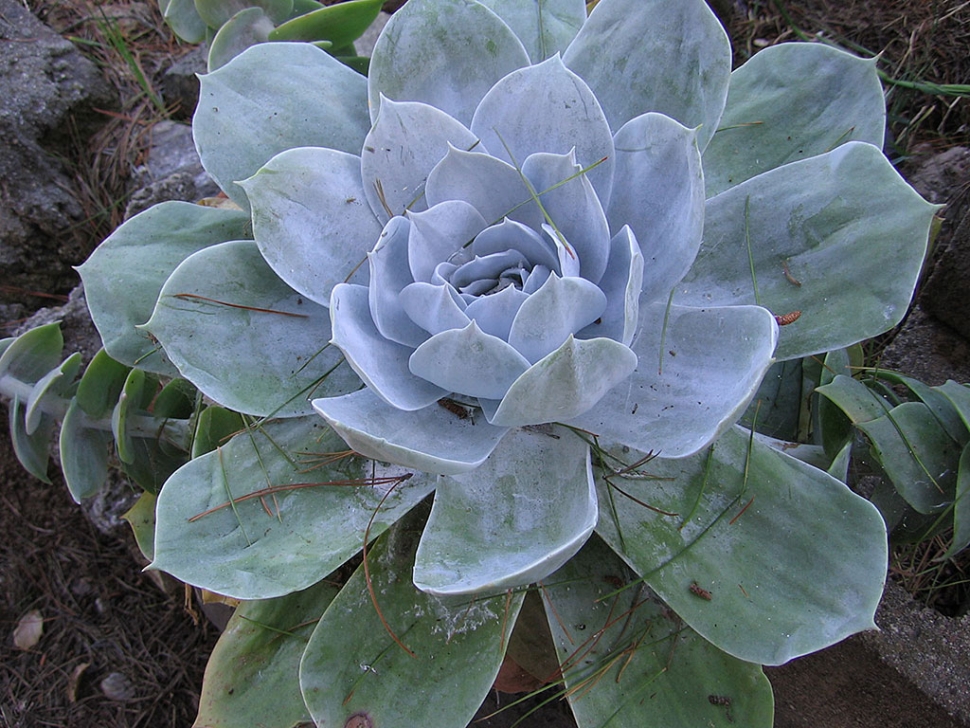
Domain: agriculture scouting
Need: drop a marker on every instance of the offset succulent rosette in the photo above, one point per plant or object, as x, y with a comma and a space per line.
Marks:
529, 250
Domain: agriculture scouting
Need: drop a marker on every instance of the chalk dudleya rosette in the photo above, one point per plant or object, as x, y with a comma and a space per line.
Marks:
530, 249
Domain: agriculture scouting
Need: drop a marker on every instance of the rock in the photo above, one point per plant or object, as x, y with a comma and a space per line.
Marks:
180, 84
48, 96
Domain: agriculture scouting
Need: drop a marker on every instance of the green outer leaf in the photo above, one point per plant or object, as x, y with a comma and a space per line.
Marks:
141, 518
776, 407
182, 17
84, 453
215, 13
147, 248
340, 24
959, 399
47, 395
33, 354
790, 102
245, 338
834, 220
859, 403
253, 674
245, 552
352, 665
101, 385
244, 30
801, 567
446, 53
961, 507
655, 55
471, 544
917, 455
176, 400
545, 27
33, 450
274, 97
216, 425
131, 403
629, 662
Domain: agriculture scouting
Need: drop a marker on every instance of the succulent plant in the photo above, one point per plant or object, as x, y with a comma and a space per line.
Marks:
538, 264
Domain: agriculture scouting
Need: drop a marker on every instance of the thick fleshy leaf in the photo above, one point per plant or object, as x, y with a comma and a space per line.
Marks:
406, 142
32, 450
573, 207
916, 453
814, 237
435, 308
217, 12
246, 28
493, 187
545, 27
245, 338
274, 97
445, 439
382, 364
84, 454
447, 656
566, 383
439, 232
182, 17
253, 673
961, 506
698, 369
560, 308
340, 24
512, 521
469, 361
627, 45
789, 102
148, 247
958, 397
660, 195
269, 529
310, 218
389, 275
445, 53
622, 283
791, 554
625, 655
547, 109
495, 313
50, 391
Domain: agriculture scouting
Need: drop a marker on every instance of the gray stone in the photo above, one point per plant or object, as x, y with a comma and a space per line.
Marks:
180, 84
48, 96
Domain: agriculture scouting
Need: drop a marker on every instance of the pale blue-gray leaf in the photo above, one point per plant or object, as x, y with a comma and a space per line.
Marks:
406, 142
512, 235
389, 275
436, 439
789, 102
245, 338
560, 308
446, 53
488, 184
513, 521
310, 218
274, 97
148, 247
621, 284
246, 28
435, 308
547, 108
792, 560
382, 364
275, 510
439, 232
495, 313
659, 193
818, 233
698, 369
655, 55
545, 27
469, 362
84, 454
567, 383
573, 207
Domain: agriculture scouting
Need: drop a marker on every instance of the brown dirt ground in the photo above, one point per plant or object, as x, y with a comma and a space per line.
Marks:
102, 615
